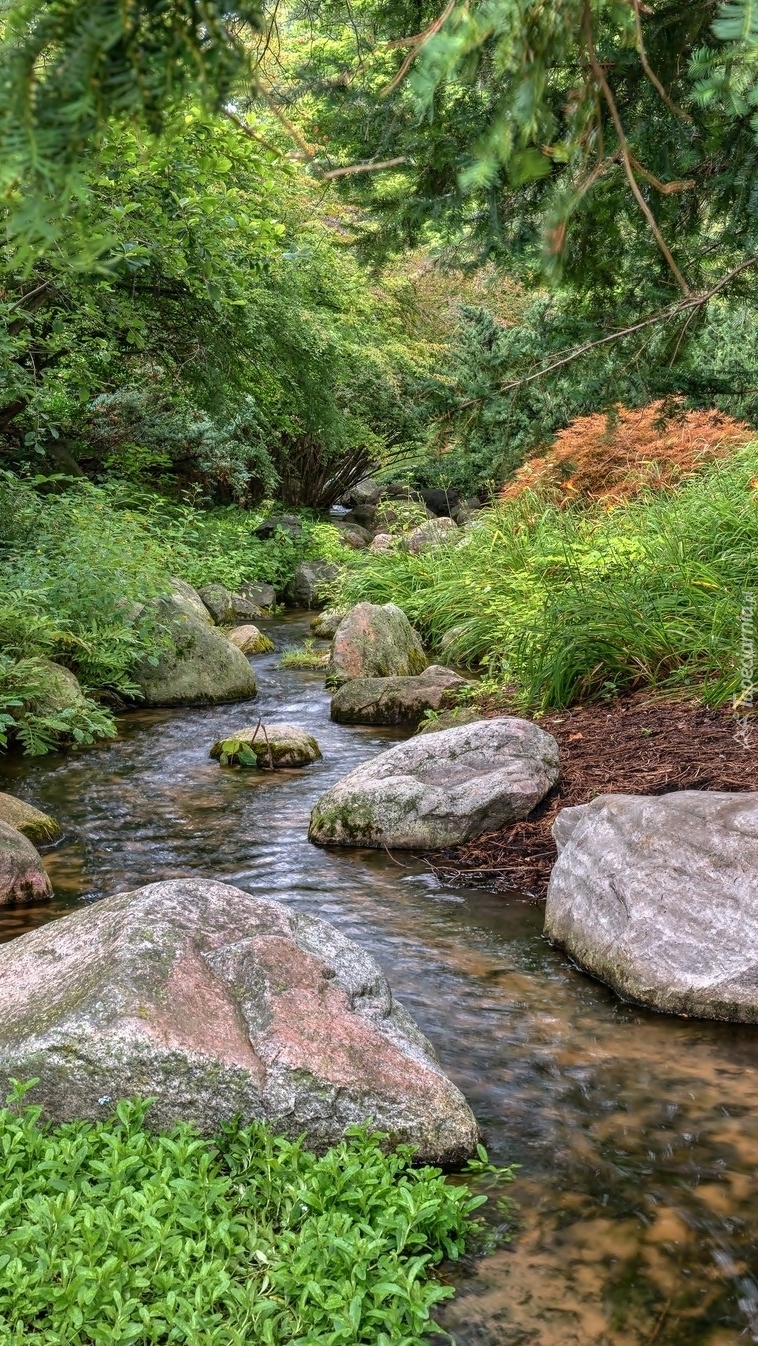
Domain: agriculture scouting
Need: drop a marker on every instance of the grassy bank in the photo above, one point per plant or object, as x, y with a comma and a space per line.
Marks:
73, 568
111, 1234
566, 604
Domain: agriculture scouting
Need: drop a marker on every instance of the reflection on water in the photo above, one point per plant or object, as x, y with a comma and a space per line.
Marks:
637, 1134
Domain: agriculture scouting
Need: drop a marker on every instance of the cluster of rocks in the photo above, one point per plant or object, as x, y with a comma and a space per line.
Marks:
23, 828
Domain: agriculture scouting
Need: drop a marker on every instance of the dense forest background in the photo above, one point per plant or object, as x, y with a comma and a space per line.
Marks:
253, 255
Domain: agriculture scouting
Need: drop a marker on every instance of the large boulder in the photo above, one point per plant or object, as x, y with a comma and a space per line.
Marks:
250, 640
192, 597
440, 501
375, 641
310, 580
226, 607
61, 689
440, 789
657, 896
22, 875
36, 826
195, 664
289, 524
395, 700
269, 746
431, 534
214, 1003
259, 593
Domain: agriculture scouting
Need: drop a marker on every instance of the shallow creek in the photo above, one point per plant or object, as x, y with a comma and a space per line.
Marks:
637, 1135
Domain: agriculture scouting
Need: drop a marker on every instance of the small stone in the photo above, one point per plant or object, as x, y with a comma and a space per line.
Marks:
395, 700
384, 543
36, 826
310, 580
289, 524
432, 534
270, 746
324, 624
22, 874
250, 640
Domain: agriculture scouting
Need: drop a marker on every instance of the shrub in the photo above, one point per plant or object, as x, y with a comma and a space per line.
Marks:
622, 453
566, 603
111, 1234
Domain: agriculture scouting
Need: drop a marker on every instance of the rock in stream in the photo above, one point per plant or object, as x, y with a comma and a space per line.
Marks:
215, 1002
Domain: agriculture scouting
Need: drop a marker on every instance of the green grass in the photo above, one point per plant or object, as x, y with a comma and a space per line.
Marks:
570, 604
306, 655
111, 1234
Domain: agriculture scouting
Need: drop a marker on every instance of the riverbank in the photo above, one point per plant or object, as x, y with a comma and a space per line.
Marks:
639, 744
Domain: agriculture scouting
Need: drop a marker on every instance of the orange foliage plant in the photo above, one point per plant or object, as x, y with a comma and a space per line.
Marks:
619, 454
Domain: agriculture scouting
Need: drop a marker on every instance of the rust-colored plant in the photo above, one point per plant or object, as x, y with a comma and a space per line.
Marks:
618, 454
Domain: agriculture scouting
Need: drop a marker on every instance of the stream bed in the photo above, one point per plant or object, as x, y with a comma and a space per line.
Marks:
637, 1134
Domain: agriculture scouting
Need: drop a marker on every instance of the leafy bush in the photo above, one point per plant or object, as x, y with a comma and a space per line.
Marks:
77, 573
569, 603
111, 1234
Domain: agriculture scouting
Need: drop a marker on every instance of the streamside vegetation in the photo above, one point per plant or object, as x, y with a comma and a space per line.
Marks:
559, 603
112, 1233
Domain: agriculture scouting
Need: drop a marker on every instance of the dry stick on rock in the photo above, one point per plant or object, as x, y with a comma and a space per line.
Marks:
261, 725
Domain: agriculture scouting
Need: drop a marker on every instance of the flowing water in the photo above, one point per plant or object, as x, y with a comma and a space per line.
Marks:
637, 1135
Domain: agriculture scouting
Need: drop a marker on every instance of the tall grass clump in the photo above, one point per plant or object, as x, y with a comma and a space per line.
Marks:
112, 1234
571, 603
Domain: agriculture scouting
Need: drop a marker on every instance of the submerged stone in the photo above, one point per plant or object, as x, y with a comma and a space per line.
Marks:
395, 700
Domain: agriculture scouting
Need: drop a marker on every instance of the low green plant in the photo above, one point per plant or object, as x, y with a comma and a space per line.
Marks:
566, 604
112, 1234
304, 656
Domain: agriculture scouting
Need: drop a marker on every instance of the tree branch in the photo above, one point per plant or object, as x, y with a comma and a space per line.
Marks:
369, 167
654, 80
416, 43
599, 74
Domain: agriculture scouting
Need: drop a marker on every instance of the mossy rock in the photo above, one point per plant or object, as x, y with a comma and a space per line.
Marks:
268, 747
250, 639
40, 829
375, 641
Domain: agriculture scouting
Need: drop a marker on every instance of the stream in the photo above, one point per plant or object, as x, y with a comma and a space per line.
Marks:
637, 1134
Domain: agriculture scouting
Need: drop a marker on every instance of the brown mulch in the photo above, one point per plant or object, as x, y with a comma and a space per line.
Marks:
636, 745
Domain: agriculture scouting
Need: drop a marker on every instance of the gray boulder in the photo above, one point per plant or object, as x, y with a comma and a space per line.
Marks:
658, 897
214, 1002
440, 501
431, 534
375, 641
289, 524
61, 689
196, 664
36, 826
324, 624
260, 594
355, 537
269, 746
226, 608
192, 597
309, 580
22, 873
395, 700
440, 789
451, 719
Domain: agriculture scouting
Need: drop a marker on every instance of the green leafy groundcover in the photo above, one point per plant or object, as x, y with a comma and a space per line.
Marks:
110, 1233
